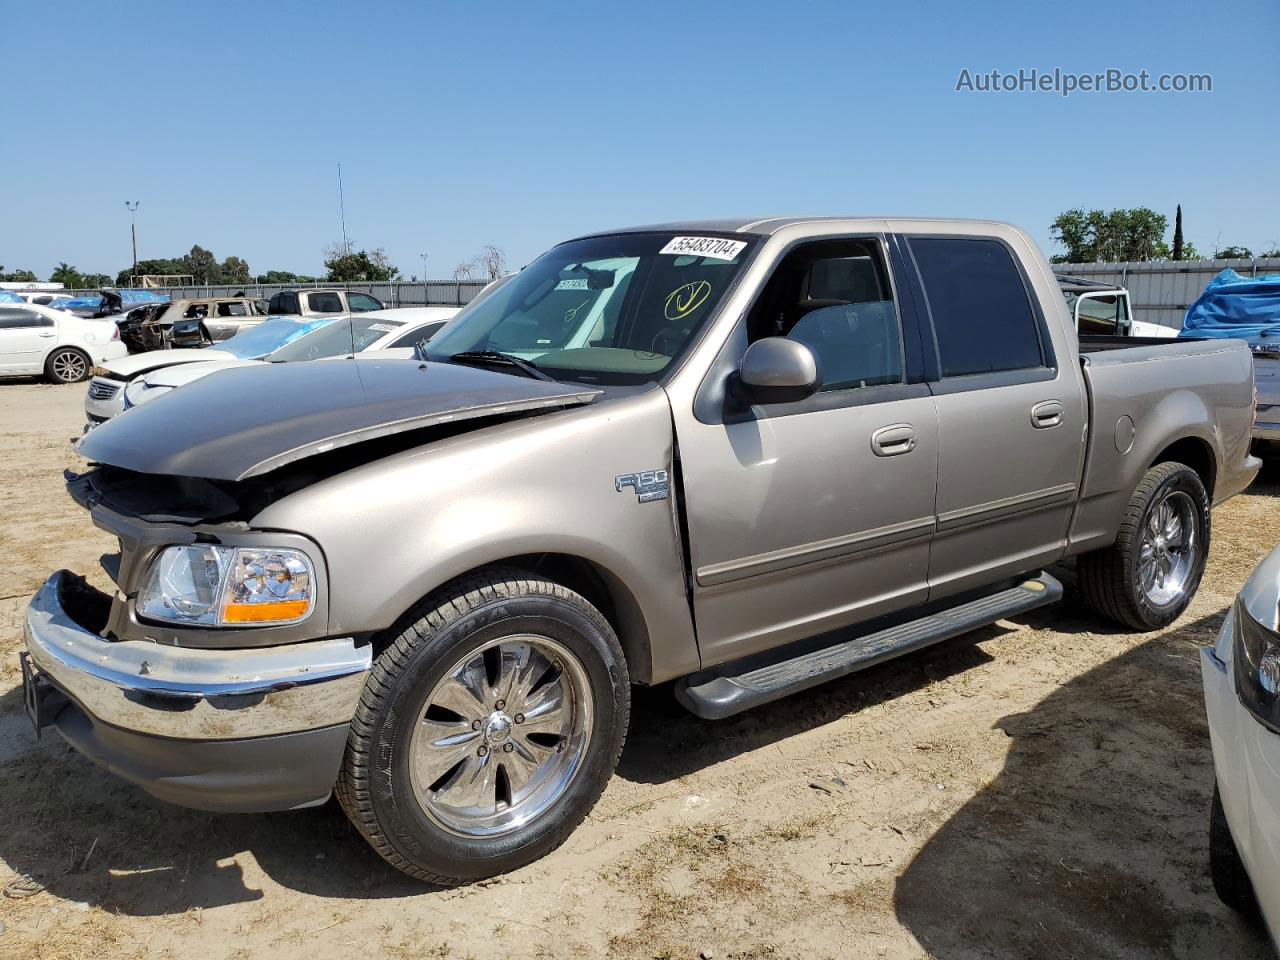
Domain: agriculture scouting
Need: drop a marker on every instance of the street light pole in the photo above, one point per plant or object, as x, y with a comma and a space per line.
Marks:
424, 276
133, 234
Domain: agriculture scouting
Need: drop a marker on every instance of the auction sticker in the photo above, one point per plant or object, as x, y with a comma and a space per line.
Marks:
715, 247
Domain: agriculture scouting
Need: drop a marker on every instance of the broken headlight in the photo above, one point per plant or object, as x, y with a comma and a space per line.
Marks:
204, 585
1256, 657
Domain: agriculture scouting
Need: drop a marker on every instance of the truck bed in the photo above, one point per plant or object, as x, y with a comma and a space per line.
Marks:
1142, 391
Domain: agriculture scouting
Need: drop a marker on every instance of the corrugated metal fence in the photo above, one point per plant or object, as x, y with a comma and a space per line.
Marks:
443, 293
1161, 290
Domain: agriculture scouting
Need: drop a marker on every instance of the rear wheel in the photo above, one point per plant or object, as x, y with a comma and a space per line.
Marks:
1147, 578
1230, 879
487, 730
67, 365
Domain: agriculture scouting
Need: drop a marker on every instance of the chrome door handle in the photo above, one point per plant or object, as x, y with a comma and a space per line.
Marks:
47, 334
1046, 414
893, 440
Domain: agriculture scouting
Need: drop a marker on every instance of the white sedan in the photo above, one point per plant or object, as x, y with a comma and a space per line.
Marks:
35, 339
145, 376
1241, 674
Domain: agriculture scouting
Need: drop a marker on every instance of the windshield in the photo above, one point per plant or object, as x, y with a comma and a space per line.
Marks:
614, 310
259, 340
336, 339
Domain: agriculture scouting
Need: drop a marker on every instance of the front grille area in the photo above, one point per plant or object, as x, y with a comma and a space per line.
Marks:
100, 389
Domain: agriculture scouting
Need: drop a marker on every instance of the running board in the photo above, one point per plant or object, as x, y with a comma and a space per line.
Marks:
720, 692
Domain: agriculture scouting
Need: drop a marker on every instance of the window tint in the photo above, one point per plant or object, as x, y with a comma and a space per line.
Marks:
981, 314
283, 304
325, 303
361, 302
835, 297
418, 335
18, 319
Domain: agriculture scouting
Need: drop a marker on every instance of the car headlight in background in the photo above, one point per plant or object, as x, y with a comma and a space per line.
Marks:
205, 585
1256, 656
139, 391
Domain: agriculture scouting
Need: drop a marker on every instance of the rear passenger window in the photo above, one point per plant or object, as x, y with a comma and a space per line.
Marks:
325, 303
979, 305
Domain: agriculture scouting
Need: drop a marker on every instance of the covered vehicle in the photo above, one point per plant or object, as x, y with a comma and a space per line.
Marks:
1246, 308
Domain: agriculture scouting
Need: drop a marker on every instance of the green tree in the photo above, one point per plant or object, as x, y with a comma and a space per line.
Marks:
345, 264
96, 280
1179, 249
67, 275
155, 268
1090, 236
235, 270
1274, 252
1233, 253
17, 276
202, 265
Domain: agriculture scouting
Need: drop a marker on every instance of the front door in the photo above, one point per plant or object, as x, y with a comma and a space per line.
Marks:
805, 517
25, 337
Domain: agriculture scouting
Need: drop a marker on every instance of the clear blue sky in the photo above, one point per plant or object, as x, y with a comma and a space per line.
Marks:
520, 124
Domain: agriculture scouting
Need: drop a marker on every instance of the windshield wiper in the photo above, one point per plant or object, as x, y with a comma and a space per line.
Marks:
498, 358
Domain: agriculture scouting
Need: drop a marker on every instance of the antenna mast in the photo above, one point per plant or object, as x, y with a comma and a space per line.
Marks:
342, 213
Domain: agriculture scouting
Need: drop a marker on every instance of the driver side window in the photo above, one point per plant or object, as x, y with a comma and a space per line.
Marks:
834, 297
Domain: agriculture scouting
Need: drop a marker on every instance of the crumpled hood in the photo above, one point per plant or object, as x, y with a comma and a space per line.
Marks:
130, 366
251, 420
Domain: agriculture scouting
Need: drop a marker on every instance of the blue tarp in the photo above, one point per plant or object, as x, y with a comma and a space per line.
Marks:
8, 296
128, 300
1233, 306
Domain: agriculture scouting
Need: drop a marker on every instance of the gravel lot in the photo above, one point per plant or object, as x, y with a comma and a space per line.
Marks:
1039, 788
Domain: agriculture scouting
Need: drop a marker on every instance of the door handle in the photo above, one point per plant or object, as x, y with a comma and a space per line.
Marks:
893, 440
1046, 414
47, 334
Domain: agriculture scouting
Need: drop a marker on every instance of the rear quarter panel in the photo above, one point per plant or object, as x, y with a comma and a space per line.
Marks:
395, 529
1168, 392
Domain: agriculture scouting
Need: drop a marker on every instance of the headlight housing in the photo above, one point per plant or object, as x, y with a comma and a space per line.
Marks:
1256, 659
212, 586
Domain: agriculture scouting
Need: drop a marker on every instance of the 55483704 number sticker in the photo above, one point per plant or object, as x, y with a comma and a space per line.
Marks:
717, 248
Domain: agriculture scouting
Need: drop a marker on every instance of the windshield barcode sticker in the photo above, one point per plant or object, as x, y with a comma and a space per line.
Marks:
573, 283
382, 327
715, 247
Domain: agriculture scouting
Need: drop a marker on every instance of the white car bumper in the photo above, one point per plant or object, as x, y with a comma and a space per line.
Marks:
104, 400
1246, 759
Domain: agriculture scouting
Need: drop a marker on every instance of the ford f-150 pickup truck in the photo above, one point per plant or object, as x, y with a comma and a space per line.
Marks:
745, 456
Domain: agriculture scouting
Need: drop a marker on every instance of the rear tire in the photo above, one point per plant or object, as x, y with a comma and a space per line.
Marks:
449, 781
1146, 579
67, 365
1230, 879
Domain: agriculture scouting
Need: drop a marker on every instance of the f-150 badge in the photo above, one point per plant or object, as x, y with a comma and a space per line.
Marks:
648, 484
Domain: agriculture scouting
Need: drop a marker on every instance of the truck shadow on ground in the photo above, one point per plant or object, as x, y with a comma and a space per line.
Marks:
1065, 853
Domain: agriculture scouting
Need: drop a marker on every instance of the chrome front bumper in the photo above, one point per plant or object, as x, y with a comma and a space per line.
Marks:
188, 694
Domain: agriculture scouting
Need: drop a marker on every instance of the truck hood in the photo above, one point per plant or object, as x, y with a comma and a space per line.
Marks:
251, 420
127, 368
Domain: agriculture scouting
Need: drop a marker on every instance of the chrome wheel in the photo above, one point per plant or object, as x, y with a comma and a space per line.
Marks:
501, 737
69, 366
1167, 554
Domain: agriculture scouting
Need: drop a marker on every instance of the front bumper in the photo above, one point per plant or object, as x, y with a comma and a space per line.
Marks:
1246, 760
257, 729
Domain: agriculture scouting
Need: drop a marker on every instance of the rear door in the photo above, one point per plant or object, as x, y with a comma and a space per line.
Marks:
1011, 414
808, 516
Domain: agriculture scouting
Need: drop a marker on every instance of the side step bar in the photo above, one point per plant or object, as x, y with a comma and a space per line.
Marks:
721, 692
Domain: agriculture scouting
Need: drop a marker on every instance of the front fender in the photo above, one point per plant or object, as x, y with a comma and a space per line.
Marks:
395, 529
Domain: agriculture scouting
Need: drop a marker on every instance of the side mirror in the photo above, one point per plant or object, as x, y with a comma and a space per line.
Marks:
778, 370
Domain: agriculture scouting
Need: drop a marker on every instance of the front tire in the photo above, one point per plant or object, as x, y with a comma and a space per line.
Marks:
487, 730
1230, 879
67, 365
1146, 579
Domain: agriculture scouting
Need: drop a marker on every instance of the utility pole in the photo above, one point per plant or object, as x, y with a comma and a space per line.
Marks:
424, 267
133, 233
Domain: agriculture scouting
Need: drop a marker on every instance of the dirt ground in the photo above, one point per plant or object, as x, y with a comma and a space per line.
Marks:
1037, 789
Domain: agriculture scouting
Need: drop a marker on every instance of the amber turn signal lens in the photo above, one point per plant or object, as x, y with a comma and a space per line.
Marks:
264, 612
